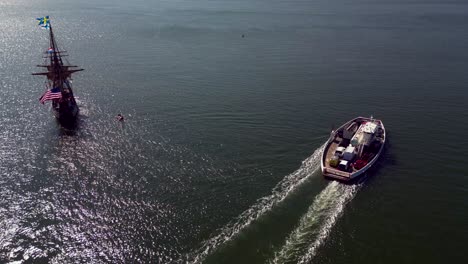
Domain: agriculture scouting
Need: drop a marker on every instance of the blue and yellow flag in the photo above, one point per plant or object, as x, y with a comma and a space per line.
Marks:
44, 21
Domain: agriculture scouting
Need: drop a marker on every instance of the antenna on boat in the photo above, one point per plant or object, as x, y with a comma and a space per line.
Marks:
332, 131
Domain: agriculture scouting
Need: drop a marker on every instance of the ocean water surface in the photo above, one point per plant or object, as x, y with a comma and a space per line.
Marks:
228, 105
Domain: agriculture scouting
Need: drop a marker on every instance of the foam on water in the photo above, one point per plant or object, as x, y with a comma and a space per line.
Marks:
287, 185
314, 227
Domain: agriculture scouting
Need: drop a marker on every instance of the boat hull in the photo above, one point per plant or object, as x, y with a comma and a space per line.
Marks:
347, 176
67, 115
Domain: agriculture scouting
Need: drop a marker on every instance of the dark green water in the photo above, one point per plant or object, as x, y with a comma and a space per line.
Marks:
217, 161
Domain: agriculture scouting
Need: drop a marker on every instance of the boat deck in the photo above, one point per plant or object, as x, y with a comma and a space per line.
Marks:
366, 156
331, 149
337, 142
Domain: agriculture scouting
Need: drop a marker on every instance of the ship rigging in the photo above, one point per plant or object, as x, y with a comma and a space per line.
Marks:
59, 88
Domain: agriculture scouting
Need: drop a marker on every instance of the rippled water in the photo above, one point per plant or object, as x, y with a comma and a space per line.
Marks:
263, 205
223, 100
315, 226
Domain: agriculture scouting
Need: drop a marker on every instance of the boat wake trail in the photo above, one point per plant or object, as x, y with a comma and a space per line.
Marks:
287, 185
315, 226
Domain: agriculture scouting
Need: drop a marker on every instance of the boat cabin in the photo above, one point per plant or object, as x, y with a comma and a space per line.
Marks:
365, 134
349, 153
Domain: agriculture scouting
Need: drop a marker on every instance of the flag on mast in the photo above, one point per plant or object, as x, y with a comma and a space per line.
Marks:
44, 22
51, 94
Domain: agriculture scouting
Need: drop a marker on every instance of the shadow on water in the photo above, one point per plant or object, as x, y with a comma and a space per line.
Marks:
70, 127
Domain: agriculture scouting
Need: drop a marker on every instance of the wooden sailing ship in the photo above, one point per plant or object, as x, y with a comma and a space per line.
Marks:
58, 76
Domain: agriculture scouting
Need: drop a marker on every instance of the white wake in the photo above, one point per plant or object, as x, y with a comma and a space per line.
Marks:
287, 185
314, 227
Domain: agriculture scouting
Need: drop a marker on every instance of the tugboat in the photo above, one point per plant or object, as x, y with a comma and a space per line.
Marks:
353, 148
59, 89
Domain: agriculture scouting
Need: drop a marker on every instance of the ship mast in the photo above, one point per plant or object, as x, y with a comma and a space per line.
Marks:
58, 75
55, 60
56, 71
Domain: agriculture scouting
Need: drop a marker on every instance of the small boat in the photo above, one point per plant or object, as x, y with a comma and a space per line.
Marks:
58, 74
353, 148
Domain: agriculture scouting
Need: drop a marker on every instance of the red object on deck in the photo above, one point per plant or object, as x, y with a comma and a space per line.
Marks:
359, 164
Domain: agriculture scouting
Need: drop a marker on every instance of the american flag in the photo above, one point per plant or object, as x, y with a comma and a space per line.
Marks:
50, 95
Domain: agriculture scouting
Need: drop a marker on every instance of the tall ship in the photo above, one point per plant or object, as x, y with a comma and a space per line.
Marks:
58, 74
353, 148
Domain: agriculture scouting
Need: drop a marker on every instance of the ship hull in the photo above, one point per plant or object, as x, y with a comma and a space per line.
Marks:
67, 115
352, 174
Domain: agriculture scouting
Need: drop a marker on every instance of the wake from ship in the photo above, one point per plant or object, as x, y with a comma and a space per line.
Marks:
286, 186
315, 226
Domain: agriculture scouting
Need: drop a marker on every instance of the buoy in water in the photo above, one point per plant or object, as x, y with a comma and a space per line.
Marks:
120, 117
